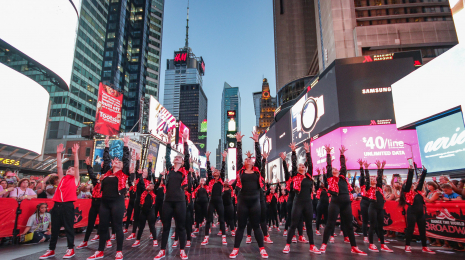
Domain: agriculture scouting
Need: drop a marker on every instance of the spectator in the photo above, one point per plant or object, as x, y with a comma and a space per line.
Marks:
32, 185
22, 191
39, 223
85, 191
433, 192
52, 187
3, 185
41, 186
397, 190
388, 193
449, 194
6, 193
10, 176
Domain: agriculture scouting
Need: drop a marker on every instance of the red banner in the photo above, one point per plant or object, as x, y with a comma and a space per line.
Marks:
108, 116
7, 216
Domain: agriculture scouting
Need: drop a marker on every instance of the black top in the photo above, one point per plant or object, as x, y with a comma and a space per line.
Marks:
125, 171
305, 191
160, 192
217, 189
250, 185
202, 195
288, 175
343, 187
174, 179
324, 198
227, 198
110, 189
418, 200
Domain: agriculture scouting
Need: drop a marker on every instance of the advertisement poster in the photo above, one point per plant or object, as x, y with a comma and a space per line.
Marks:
160, 120
153, 150
182, 129
380, 142
116, 151
108, 115
231, 163
161, 161
274, 172
319, 153
442, 143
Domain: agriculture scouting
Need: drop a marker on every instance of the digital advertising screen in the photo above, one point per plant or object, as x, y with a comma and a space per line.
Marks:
160, 165
283, 134
380, 142
333, 139
153, 150
160, 120
274, 171
442, 143
231, 171
317, 110
116, 151
108, 116
364, 90
182, 129
203, 162
25, 106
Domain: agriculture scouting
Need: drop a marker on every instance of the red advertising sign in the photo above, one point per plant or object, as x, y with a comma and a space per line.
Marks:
108, 117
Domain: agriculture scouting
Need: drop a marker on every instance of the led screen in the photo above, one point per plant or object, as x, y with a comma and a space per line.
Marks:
153, 150
108, 116
442, 143
43, 30
182, 129
116, 151
203, 162
274, 172
25, 107
160, 120
231, 171
364, 90
333, 139
160, 165
380, 142
425, 93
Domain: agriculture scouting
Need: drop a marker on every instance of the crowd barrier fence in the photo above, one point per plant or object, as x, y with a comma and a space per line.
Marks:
444, 220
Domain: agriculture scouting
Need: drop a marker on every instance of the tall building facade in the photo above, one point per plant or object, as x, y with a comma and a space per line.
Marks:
350, 28
219, 157
70, 110
267, 108
132, 56
193, 113
230, 100
295, 39
257, 96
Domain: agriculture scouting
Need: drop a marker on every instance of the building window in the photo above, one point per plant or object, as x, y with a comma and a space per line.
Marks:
87, 151
111, 35
110, 44
108, 63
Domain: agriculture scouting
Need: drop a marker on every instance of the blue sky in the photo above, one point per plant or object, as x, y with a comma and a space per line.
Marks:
236, 41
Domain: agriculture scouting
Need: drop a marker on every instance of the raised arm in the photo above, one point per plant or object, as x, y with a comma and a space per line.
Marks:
421, 182
187, 164
408, 184
361, 180
90, 171
287, 175
293, 160
379, 178
223, 166
258, 153
60, 150
343, 170
126, 160
308, 158
209, 169
325, 178
262, 170
329, 166
75, 150
353, 180
106, 157
367, 175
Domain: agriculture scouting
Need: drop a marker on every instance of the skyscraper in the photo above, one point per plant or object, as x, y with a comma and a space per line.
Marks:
184, 68
295, 39
193, 112
132, 56
267, 108
71, 109
257, 96
350, 28
230, 100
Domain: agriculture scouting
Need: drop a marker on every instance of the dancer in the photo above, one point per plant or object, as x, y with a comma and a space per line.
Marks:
323, 201
146, 184
411, 195
228, 196
63, 210
248, 202
303, 185
215, 189
189, 210
175, 201
365, 202
201, 203
263, 206
96, 195
132, 199
160, 195
376, 208
272, 201
290, 200
340, 189
113, 185
282, 204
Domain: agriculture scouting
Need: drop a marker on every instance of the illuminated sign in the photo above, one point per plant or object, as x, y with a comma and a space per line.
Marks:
9, 161
231, 113
180, 57
376, 90
201, 137
266, 94
203, 126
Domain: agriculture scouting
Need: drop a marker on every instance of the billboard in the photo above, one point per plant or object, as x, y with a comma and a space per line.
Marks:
47, 32
442, 143
332, 138
181, 57
160, 120
108, 116
116, 151
364, 90
315, 111
153, 150
231, 163
161, 161
182, 128
274, 171
203, 162
380, 142
24, 109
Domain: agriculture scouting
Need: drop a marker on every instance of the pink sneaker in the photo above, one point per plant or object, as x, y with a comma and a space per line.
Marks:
175, 244
427, 250
373, 248
136, 244
109, 245
188, 243
408, 249
317, 233
155, 243
223, 240
131, 237
95, 238
294, 239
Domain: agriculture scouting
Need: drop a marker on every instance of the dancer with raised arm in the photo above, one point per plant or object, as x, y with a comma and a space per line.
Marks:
340, 191
134, 201
323, 201
175, 201
303, 186
215, 180
376, 208
248, 201
412, 196
63, 209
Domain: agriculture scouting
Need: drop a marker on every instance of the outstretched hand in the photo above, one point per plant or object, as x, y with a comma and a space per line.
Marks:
366, 164
207, 154
383, 164
360, 161
307, 147
328, 148
60, 148
255, 136
126, 140
342, 149
75, 148
239, 136
378, 164
293, 146
224, 154
283, 156
249, 154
